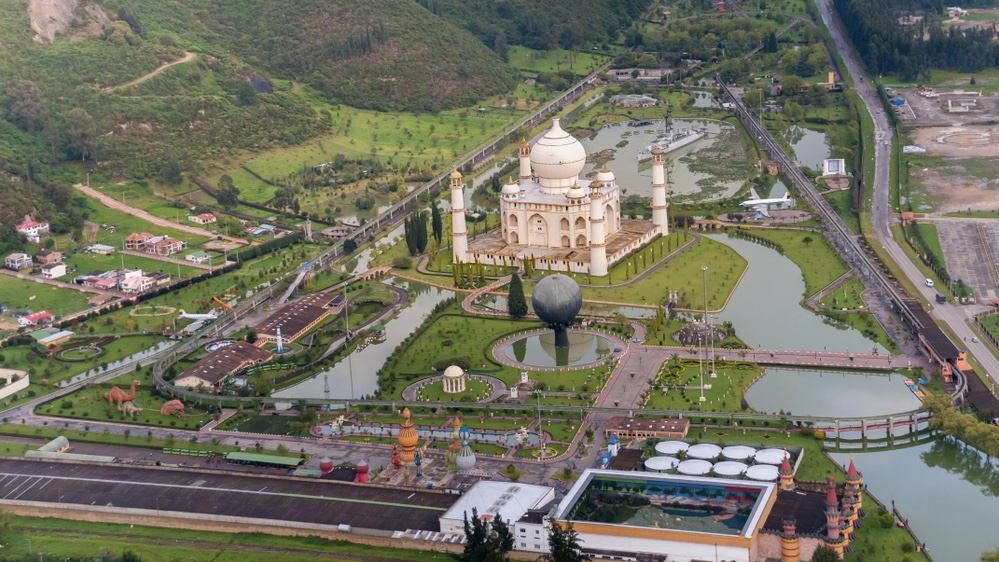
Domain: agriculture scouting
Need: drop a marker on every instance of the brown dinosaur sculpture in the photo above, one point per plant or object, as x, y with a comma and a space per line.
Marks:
172, 408
117, 396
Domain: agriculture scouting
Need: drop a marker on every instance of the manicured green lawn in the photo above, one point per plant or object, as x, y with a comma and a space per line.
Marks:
725, 394
474, 391
992, 325
845, 296
818, 261
89, 403
974, 214
23, 295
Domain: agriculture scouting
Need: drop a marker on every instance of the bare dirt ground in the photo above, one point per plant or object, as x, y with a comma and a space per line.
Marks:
53, 17
965, 141
952, 191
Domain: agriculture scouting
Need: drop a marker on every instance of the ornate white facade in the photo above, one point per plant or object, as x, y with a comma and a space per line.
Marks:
548, 216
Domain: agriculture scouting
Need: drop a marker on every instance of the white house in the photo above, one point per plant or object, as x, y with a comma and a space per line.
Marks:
33, 230
203, 218
54, 270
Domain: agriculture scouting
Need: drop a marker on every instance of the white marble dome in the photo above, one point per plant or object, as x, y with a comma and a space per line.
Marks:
453, 371
557, 158
511, 188
605, 175
575, 192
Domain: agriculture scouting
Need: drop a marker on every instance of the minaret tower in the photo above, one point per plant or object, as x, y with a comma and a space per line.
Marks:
790, 545
855, 482
659, 205
459, 234
525, 160
833, 538
598, 248
786, 473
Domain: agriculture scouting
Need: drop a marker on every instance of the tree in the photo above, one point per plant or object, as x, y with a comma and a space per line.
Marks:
228, 194
515, 301
129, 16
807, 240
991, 555
563, 542
486, 541
824, 554
793, 111
349, 245
251, 336
409, 231
421, 232
26, 103
81, 131
172, 170
436, 223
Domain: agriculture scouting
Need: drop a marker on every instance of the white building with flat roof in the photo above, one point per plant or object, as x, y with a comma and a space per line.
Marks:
508, 501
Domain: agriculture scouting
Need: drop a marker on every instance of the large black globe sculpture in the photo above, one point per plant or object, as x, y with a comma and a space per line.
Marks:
557, 300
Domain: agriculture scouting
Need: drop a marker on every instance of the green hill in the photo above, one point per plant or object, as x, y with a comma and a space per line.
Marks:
377, 54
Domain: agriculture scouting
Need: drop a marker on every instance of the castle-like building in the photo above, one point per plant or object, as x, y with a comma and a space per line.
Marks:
550, 219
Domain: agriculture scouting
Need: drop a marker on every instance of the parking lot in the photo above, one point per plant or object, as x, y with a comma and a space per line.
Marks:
970, 249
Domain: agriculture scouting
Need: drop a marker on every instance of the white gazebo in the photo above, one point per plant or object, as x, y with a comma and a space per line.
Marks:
454, 380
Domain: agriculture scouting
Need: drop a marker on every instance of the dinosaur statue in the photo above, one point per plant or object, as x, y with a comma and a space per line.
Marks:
116, 395
172, 408
129, 408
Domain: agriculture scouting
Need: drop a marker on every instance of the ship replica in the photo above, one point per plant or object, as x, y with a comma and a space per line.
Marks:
669, 140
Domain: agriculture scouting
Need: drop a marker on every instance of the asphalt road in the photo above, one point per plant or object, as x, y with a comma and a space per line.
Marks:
955, 317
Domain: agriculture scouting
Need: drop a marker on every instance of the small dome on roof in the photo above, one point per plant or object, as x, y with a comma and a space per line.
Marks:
657, 150
453, 371
456, 175
575, 192
511, 187
605, 175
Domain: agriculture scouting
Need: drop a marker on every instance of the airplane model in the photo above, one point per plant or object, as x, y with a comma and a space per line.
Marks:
210, 316
762, 205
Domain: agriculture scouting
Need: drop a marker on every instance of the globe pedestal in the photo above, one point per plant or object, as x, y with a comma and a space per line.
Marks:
561, 336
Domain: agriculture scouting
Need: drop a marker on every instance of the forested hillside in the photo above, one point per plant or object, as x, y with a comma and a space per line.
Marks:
378, 54
566, 24
888, 47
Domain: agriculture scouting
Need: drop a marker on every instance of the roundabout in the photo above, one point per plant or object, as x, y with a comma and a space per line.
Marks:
151, 310
80, 353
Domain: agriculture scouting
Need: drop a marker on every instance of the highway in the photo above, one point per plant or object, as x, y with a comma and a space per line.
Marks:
955, 317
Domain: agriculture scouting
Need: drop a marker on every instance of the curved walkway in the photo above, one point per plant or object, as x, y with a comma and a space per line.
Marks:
499, 387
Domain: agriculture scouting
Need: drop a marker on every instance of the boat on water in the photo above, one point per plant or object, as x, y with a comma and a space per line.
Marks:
669, 140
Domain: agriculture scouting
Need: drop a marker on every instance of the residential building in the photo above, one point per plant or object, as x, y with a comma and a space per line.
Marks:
36, 318
136, 284
137, 240
165, 247
160, 278
198, 257
33, 231
203, 218
54, 270
102, 249
48, 256
336, 232
17, 261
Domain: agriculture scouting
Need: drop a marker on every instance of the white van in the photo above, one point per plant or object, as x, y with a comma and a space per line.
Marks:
929, 282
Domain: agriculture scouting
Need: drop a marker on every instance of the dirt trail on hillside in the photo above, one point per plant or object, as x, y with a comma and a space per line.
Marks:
187, 57
115, 204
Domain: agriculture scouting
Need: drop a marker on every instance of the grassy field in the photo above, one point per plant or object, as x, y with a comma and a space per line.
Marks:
89, 403
818, 261
126, 224
725, 394
58, 538
974, 214
845, 296
991, 324
22, 295
840, 202
929, 235
85, 263
532, 61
